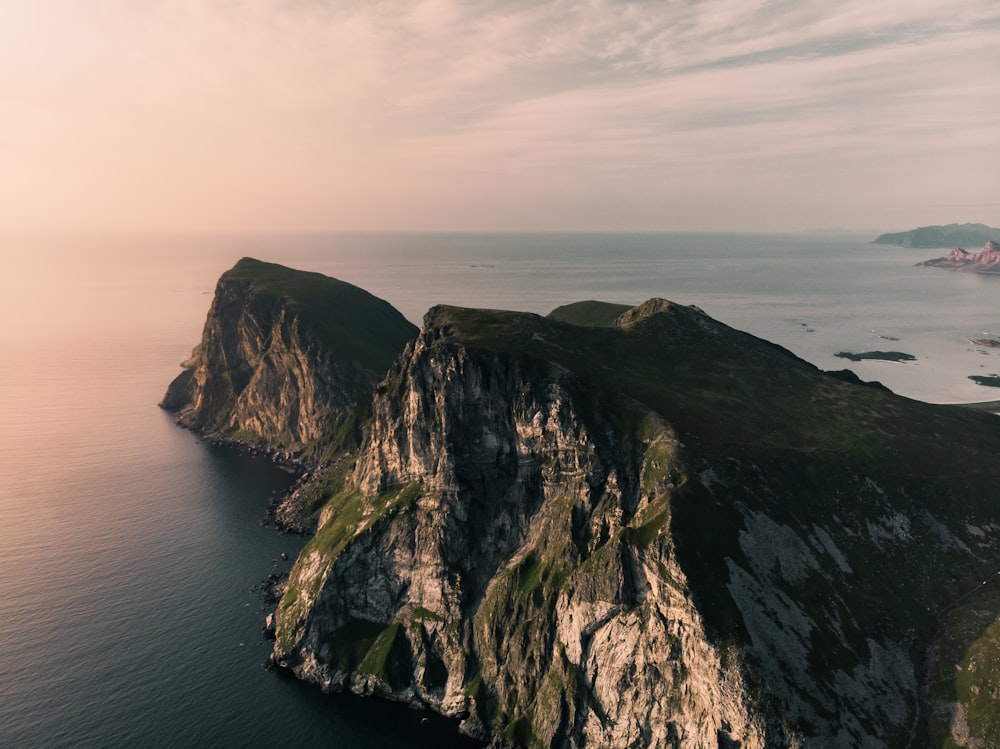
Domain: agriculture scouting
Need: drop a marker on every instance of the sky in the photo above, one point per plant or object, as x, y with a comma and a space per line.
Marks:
677, 115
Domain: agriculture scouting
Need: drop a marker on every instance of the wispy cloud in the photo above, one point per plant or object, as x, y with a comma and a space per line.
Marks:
602, 114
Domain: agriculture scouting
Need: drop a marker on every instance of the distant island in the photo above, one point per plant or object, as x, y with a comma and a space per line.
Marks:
992, 380
949, 235
986, 260
897, 356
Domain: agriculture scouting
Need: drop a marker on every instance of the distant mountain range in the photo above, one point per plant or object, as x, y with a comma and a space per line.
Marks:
949, 235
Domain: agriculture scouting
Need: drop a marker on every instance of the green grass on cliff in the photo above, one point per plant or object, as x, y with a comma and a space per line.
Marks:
590, 313
348, 319
344, 516
348, 513
733, 390
370, 648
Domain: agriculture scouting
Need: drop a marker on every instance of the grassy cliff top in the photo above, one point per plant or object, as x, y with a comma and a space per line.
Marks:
346, 318
730, 389
589, 313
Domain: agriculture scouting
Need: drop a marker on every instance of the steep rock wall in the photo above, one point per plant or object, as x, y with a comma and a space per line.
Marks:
265, 372
258, 373
527, 582
525, 546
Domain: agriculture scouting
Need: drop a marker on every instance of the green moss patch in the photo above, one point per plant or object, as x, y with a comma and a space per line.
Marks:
350, 513
420, 614
475, 684
519, 731
389, 657
654, 521
370, 648
348, 646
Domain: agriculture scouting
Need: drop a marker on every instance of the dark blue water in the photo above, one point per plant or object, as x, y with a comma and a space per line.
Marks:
128, 548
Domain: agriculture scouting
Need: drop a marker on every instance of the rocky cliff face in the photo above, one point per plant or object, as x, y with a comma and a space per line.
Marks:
662, 533
524, 579
986, 260
274, 367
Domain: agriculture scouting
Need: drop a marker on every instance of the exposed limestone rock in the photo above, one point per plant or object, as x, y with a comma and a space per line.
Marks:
529, 582
270, 371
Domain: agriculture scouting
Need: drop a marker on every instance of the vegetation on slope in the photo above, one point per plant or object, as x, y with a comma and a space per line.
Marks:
346, 514
589, 313
726, 386
346, 318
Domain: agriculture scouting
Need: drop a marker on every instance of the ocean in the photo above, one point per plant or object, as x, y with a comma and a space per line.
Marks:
129, 548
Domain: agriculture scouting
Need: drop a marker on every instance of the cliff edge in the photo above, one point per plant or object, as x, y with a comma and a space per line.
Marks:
288, 360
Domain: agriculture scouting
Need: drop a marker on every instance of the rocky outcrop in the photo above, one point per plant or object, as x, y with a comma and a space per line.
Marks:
660, 533
288, 360
986, 260
949, 235
524, 582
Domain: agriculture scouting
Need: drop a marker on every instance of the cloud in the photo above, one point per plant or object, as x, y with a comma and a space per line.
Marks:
301, 113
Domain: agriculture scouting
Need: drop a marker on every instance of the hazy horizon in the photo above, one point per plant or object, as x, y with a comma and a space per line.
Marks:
152, 117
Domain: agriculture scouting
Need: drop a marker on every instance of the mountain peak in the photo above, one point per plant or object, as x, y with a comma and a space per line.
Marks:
665, 310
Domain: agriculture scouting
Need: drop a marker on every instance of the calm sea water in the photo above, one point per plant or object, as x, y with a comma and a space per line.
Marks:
128, 548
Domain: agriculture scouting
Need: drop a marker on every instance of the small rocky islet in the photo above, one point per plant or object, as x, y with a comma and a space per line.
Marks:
986, 260
893, 356
611, 527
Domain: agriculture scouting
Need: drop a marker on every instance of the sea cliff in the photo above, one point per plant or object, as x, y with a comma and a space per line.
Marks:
506, 563
287, 362
638, 527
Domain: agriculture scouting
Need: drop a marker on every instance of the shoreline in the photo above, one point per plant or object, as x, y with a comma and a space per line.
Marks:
982, 406
283, 509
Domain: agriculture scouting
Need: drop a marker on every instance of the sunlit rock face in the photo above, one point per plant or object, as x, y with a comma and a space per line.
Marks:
659, 532
527, 583
274, 369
